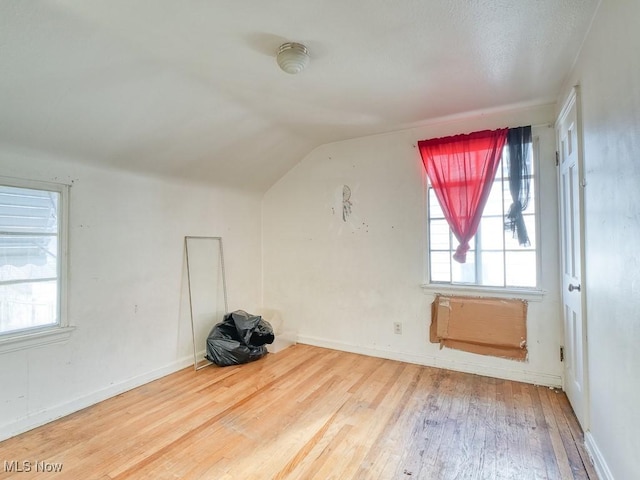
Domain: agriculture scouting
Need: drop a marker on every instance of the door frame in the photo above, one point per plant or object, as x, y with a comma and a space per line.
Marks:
573, 98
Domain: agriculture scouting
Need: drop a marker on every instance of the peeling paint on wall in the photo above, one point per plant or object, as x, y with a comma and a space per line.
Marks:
346, 202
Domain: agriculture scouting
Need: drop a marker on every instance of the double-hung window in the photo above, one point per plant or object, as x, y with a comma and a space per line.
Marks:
32, 258
495, 259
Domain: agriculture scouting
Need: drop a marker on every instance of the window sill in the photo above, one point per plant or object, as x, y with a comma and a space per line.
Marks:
529, 294
24, 340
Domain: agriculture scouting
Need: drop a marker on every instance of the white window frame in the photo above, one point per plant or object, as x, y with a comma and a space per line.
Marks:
528, 293
59, 332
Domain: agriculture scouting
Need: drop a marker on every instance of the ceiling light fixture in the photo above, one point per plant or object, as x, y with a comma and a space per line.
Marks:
292, 57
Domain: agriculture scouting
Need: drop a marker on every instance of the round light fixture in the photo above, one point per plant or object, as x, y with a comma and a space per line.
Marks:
292, 57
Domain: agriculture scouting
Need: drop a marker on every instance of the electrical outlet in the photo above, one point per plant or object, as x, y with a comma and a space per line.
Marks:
397, 328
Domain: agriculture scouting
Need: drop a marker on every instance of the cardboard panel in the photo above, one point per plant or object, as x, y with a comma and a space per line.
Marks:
519, 354
487, 326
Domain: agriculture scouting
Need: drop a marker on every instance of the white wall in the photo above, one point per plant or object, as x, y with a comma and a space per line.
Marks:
126, 288
608, 71
343, 284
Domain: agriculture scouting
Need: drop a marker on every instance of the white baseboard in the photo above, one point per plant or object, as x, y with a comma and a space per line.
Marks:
535, 378
40, 418
599, 463
282, 341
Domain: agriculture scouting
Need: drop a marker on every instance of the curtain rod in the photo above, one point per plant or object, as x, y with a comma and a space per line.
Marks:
537, 125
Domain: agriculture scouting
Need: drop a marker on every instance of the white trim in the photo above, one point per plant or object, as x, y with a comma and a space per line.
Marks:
536, 378
566, 106
599, 463
573, 98
33, 184
533, 295
34, 338
63, 259
537, 188
50, 414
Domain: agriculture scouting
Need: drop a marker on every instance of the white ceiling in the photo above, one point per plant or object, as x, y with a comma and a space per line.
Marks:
191, 88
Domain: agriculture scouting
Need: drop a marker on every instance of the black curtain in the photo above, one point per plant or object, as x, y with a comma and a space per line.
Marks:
519, 141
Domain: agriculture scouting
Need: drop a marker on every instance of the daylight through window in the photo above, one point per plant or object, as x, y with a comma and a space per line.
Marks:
30, 266
495, 258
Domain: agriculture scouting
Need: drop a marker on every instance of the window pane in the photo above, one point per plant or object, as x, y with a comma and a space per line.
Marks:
494, 202
492, 268
531, 206
455, 243
27, 257
464, 272
506, 159
492, 232
26, 210
434, 206
439, 263
502, 172
28, 305
521, 269
439, 235
511, 239
530, 162
506, 197
29, 263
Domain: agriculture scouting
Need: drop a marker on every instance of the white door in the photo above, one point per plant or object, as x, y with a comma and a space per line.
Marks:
571, 237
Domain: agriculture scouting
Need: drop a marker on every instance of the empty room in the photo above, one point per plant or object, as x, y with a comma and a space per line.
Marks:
320, 239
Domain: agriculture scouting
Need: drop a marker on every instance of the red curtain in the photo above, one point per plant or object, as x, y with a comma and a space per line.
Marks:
462, 169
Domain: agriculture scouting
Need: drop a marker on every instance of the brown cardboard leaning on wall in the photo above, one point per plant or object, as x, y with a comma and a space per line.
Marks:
487, 326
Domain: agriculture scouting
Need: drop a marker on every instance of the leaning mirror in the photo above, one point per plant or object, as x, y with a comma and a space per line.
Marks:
207, 290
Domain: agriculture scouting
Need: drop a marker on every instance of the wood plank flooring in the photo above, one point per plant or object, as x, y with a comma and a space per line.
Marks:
312, 413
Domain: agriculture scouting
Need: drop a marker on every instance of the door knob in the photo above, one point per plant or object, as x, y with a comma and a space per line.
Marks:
574, 287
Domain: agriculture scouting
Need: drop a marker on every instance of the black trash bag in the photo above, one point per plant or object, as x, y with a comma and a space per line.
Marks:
239, 338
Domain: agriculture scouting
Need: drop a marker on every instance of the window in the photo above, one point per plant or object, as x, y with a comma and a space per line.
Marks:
31, 257
495, 259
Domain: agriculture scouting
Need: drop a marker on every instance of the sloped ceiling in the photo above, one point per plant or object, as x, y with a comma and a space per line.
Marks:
191, 88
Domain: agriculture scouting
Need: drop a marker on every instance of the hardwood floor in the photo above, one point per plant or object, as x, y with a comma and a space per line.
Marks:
306, 413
